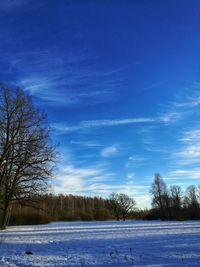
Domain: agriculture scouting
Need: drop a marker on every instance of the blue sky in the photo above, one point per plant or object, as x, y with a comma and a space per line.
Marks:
120, 81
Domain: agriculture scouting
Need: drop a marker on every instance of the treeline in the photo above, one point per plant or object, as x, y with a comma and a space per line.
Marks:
167, 204
61, 208
174, 203
72, 208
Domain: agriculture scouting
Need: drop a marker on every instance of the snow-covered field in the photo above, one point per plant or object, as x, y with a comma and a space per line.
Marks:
131, 243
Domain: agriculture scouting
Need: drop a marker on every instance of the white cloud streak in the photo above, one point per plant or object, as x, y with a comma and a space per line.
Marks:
77, 179
99, 123
96, 181
189, 153
55, 75
110, 151
89, 144
172, 113
183, 173
185, 105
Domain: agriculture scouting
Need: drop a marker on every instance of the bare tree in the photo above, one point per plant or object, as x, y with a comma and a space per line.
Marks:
160, 194
191, 197
176, 196
127, 204
26, 153
122, 204
114, 205
191, 202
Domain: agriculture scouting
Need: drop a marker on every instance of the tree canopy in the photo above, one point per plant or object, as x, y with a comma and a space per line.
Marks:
26, 152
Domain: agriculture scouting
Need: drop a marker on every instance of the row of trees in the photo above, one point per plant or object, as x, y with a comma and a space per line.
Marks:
167, 203
26, 153
69, 207
173, 203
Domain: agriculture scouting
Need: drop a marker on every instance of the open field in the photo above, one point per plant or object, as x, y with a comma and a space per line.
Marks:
131, 243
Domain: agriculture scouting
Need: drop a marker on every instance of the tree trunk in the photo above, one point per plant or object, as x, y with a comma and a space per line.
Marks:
4, 217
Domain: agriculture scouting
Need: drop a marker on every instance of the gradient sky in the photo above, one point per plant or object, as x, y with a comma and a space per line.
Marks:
120, 81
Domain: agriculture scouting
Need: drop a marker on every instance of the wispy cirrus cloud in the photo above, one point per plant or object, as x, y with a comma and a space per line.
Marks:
170, 114
191, 136
90, 124
52, 73
131, 176
96, 180
188, 155
174, 121
189, 152
185, 174
173, 112
116, 122
89, 144
135, 160
110, 151
62, 78
185, 104
76, 180
192, 98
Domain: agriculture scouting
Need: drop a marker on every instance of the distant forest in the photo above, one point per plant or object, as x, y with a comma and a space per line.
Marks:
167, 204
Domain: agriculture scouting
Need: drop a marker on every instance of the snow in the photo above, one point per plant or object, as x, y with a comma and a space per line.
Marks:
111, 243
